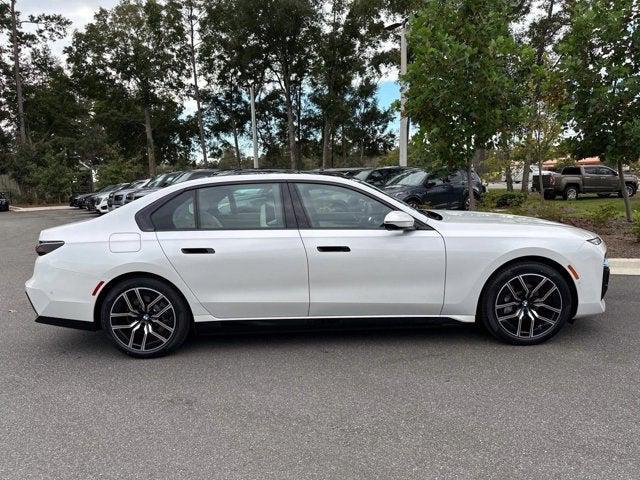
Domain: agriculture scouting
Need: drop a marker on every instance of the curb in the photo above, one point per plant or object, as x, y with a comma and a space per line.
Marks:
624, 266
38, 209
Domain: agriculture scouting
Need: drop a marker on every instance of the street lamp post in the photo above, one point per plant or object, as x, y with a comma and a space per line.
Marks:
254, 128
404, 120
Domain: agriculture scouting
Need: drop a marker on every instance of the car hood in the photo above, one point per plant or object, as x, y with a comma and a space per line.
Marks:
531, 225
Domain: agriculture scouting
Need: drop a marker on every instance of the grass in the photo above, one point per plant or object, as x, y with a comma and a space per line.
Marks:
584, 208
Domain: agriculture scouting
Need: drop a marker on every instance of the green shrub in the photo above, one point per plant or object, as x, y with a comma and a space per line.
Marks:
602, 215
500, 199
635, 226
546, 210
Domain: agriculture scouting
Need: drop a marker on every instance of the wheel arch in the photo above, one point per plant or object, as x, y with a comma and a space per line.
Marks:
532, 258
125, 276
575, 185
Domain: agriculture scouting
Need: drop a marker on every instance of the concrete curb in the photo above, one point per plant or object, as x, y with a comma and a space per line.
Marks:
624, 266
38, 209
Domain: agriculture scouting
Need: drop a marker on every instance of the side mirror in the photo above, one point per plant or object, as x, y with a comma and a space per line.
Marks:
398, 220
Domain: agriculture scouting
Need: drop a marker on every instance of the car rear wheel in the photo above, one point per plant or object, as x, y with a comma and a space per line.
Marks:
526, 303
145, 317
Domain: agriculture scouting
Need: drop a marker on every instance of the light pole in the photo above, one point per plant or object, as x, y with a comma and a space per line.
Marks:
404, 120
254, 128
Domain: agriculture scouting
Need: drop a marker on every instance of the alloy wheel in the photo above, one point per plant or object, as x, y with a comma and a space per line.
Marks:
142, 319
528, 306
572, 194
629, 191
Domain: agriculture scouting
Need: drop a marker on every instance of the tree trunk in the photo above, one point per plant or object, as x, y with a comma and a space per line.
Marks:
526, 167
196, 88
290, 122
508, 177
237, 146
344, 146
540, 185
326, 142
151, 148
22, 131
472, 198
625, 195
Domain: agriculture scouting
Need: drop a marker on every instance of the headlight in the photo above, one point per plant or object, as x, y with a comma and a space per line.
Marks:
595, 240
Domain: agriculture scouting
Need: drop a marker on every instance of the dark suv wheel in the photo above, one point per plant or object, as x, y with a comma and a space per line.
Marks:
526, 303
145, 317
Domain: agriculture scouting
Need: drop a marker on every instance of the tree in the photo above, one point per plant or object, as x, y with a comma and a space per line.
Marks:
542, 36
349, 38
463, 81
601, 67
193, 11
137, 47
228, 114
47, 27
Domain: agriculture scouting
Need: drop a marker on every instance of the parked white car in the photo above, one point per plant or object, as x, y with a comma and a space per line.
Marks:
298, 246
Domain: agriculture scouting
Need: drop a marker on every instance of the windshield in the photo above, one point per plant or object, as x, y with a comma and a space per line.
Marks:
408, 179
155, 182
362, 175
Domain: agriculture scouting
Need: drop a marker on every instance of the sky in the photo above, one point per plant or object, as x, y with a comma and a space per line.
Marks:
80, 12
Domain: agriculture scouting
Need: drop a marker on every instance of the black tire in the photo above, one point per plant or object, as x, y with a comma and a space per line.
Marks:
164, 333
549, 195
495, 308
631, 191
414, 203
570, 193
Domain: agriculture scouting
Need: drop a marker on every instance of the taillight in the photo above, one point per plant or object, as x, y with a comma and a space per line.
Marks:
47, 247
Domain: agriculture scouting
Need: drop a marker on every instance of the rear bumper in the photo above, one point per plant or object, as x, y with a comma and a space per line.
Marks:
65, 322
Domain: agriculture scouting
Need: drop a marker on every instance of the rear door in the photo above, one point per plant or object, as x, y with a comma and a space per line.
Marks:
356, 266
237, 247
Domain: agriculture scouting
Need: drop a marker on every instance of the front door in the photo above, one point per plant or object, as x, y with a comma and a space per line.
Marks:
231, 244
356, 266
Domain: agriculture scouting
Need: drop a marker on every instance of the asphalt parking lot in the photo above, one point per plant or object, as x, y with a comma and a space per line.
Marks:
437, 402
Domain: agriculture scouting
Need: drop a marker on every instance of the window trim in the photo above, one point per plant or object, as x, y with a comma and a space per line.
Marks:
305, 224
143, 216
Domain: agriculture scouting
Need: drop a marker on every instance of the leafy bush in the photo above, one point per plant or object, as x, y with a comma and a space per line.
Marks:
498, 199
602, 215
635, 226
552, 211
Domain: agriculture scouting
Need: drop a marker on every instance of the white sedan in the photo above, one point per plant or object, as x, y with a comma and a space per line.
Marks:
297, 246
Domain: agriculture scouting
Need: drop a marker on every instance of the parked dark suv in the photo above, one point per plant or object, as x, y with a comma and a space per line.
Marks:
4, 203
438, 190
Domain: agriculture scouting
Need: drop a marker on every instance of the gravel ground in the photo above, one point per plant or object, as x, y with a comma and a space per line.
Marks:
440, 402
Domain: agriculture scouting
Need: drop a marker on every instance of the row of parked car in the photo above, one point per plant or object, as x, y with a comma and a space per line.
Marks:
414, 186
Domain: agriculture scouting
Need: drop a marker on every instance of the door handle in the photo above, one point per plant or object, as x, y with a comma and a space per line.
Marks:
198, 250
334, 249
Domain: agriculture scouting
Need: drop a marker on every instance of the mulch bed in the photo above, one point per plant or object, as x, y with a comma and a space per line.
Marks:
620, 242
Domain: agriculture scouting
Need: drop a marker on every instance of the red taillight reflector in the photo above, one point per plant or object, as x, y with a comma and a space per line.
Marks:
97, 289
47, 247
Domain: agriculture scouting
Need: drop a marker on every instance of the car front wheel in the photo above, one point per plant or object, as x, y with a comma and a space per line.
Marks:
145, 317
526, 303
